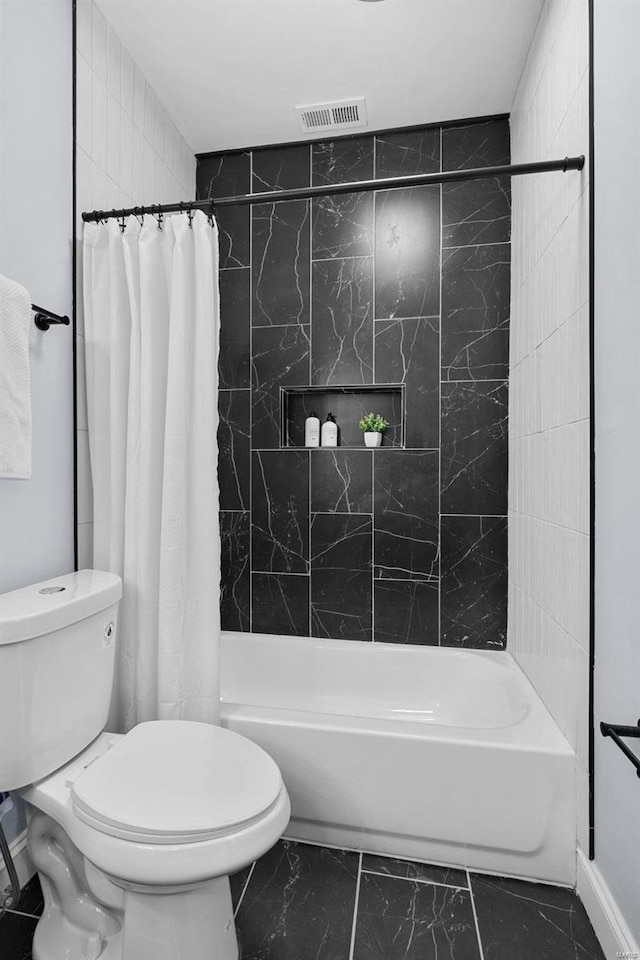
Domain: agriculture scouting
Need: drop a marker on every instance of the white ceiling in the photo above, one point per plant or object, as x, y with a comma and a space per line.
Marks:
230, 72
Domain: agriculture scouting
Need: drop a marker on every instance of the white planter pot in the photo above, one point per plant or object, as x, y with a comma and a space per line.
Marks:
372, 438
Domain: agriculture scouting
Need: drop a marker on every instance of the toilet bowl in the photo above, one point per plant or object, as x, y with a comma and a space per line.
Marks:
134, 836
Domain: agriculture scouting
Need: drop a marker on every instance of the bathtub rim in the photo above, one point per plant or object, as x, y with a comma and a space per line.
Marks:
536, 731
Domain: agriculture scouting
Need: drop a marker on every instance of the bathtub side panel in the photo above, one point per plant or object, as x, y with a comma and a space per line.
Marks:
485, 806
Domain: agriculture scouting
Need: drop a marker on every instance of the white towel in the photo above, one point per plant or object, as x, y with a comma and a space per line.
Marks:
15, 381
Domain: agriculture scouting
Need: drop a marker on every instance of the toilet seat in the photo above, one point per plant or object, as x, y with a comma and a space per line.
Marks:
177, 782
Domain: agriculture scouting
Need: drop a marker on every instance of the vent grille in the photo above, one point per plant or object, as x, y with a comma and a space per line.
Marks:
330, 116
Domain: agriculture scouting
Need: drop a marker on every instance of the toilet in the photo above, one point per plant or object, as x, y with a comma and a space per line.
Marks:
134, 837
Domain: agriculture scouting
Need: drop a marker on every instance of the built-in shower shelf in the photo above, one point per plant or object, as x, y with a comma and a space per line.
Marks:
348, 404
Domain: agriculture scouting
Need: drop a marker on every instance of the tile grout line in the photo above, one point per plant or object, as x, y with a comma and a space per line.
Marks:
309, 378
468, 246
475, 915
251, 290
19, 913
375, 383
355, 910
428, 883
244, 889
439, 637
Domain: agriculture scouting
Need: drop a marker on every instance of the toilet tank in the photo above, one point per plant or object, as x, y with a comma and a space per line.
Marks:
57, 647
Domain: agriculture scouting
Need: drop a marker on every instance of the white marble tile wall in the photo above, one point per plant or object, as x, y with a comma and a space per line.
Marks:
549, 401
128, 152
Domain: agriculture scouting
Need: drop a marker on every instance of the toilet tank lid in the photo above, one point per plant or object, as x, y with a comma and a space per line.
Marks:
53, 604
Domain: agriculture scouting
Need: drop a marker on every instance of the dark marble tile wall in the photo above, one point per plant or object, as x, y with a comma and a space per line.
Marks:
404, 288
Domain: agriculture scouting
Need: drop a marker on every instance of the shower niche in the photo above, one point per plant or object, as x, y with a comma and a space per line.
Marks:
348, 405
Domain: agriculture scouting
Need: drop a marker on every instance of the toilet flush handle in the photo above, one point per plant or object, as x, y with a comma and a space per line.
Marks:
94, 946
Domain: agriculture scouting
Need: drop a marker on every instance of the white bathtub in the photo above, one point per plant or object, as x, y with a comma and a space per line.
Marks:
425, 753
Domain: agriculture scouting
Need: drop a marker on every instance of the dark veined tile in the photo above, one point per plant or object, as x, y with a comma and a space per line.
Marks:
341, 605
235, 574
299, 904
234, 448
407, 252
223, 175
408, 351
407, 154
476, 211
341, 481
228, 175
280, 604
234, 236
280, 511
476, 290
234, 364
406, 612
280, 358
16, 936
473, 591
340, 542
519, 920
342, 328
405, 499
342, 161
482, 144
474, 464
412, 870
404, 920
341, 576
342, 226
280, 263
281, 168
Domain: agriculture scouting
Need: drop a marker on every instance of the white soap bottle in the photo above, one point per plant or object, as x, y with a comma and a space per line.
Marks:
329, 432
312, 431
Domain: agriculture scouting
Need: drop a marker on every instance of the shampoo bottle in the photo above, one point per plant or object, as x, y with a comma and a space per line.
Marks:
312, 431
329, 432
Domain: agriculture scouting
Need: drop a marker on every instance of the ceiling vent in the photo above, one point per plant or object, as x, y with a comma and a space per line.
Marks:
332, 116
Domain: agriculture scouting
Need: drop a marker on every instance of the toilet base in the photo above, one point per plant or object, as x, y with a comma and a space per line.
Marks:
88, 915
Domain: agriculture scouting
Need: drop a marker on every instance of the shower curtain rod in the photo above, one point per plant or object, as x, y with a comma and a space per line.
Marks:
360, 186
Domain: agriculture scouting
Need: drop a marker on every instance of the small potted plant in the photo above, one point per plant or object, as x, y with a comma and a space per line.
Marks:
373, 426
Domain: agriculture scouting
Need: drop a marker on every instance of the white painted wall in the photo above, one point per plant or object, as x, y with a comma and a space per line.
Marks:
549, 403
36, 144
617, 412
128, 152
36, 156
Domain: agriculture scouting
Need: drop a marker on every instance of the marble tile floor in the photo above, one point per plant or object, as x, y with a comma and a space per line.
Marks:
304, 902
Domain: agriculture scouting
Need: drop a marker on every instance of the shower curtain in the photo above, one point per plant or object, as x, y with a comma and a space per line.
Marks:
151, 338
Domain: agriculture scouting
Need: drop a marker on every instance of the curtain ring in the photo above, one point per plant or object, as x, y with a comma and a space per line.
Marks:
190, 216
210, 216
160, 217
139, 216
121, 221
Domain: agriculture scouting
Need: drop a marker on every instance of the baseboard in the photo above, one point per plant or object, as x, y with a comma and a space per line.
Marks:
610, 927
20, 856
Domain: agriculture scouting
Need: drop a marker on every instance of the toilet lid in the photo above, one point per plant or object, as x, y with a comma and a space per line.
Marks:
177, 781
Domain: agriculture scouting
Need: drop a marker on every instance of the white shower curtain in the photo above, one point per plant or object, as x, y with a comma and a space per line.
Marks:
152, 329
